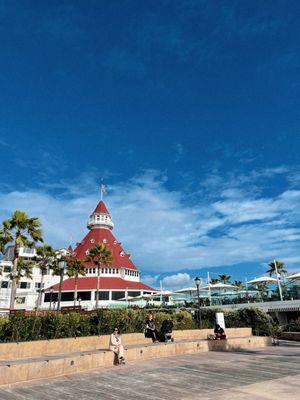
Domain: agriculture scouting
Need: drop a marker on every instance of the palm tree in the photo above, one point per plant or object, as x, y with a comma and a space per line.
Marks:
214, 281
45, 258
280, 268
20, 231
239, 285
75, 268
99, 255
224, 278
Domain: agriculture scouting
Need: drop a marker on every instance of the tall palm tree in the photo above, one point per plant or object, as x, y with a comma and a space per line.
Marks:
45, 258
224, 278
75, 268
19, 231
99, 255
280, 268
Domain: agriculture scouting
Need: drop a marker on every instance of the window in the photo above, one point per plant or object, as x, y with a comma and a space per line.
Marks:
117, 295
102, 270
67, 296
28, 250
94, 270
24, 285
134, 294
37, 285
113, 270
103, 295
92, 240
4, 284
6, 268
106, 270
84, 295
122, 254
115, 242
20, 300
104, 240
87, 253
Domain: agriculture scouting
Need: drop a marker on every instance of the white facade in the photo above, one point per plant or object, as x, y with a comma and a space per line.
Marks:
28, 289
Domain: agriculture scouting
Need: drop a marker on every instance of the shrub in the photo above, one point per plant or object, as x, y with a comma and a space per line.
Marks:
19, 327
293, 326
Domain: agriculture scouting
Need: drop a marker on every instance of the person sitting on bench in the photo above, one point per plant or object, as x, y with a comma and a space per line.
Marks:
116, 346
219, 333
151, 331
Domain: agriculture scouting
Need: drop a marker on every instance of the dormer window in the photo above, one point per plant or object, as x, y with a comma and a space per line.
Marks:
87, 252
92, 240
122, 254
104, 240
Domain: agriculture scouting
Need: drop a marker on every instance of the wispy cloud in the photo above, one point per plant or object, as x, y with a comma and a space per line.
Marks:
165, 233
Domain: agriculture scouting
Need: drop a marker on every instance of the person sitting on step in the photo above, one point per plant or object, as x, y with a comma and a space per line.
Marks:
151, 330
219, 333
115, 344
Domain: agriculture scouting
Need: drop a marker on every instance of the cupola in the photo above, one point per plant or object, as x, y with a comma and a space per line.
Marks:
100, 218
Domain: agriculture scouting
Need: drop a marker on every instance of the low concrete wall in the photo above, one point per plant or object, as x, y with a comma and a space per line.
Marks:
69, 345
290, 336
26, 370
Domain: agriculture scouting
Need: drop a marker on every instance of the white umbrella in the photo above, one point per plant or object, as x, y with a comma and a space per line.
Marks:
162, 293
126, 298
262, 279
145, 296
218, 286
293, 277
188, 290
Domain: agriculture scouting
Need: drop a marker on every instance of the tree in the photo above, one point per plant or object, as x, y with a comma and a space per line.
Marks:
280, 268
45, 259
19, 231
224, 278
75, 268
263, 289
99, 255
214, 281
239, 285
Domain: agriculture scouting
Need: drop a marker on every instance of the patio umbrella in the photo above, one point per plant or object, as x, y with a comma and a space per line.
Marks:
262, 279
218, 286
188, 290
294, 277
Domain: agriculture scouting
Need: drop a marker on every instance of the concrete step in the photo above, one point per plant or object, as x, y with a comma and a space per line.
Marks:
46, 366
54, 346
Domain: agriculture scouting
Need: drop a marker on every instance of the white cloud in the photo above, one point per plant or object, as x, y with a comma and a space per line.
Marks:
177, 281
164, 233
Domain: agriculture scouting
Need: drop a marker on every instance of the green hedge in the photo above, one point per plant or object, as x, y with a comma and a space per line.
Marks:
293, 326
18, 327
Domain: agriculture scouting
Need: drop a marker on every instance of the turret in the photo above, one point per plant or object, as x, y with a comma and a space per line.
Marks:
100, 218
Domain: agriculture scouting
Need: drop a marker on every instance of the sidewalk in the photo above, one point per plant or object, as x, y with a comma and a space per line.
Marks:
268, 373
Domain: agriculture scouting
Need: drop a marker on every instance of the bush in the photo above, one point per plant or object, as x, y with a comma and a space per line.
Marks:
293, 326
19, 327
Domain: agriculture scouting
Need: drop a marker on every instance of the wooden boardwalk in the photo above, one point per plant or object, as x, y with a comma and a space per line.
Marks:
268, 373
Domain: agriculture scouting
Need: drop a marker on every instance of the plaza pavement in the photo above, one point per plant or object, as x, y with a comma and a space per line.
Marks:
268, 373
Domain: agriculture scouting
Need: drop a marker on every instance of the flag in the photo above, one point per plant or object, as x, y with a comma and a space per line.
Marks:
103, 187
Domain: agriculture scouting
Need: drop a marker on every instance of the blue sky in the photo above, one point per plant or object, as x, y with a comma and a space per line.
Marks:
189, 109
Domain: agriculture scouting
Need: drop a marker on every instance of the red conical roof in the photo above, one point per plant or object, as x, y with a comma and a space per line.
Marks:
101, 208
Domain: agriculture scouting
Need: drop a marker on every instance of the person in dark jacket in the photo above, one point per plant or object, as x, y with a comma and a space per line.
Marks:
219, 332
151, 330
